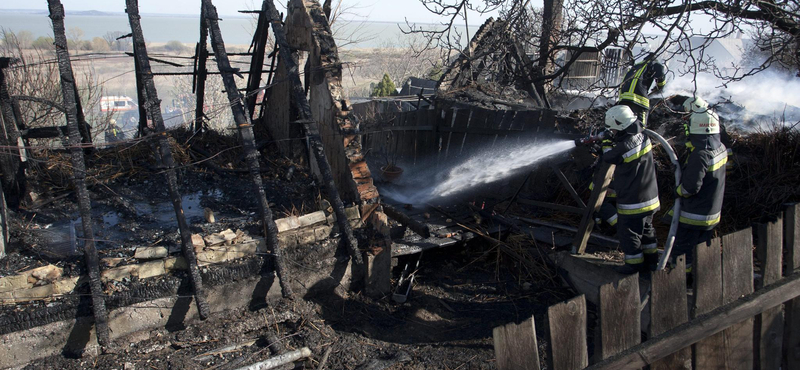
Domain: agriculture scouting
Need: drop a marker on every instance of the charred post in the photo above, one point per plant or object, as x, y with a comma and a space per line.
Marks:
243, 122
153, 106
13, 176
140, 94
79, 172
201, 73
298, 98
257, 62
83, 126
421, 229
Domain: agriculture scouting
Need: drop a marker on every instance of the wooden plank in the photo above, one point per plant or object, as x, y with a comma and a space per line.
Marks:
668, 309
515, 346
707, 286
703, 326
557, 207
452, 115
568, 334
533, 123
457, 140
737, 281
619, 316
567, 185
602, 177
497, 123
791, 242
769, 325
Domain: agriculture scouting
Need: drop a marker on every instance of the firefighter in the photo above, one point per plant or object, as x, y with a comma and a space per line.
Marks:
637, 191
697, 104
635, 88
113, 132
702, 183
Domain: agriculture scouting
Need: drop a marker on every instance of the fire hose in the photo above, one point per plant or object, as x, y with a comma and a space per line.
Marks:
676, 209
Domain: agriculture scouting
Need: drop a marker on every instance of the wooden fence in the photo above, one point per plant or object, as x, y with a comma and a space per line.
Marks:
726, 321
447, 133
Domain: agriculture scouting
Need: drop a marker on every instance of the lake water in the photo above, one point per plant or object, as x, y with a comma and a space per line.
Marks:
161, 28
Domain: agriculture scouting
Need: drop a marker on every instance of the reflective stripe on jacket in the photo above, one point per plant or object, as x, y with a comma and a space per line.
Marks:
703, 182
635, 175
636, 85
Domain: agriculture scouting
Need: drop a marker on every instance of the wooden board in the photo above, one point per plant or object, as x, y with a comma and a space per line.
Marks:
515, 346
501, 122
456, 139
791, 241
443, 138
602, 178
707, 286
568, 335
668, 309
769, 325
619, 316
737, 281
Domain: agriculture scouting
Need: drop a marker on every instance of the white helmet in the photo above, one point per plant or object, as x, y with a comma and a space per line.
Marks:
619, 117
704, 123
695, 104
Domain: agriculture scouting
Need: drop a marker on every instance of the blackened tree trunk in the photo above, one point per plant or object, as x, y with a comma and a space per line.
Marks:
300, 102
79, 171
13, 176
245, 126
153, 107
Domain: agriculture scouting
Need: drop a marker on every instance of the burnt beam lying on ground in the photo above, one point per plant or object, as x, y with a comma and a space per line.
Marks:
153, 106
68, 90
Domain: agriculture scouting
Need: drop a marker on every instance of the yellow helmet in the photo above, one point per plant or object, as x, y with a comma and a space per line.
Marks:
695, 104
704, 123
619, 117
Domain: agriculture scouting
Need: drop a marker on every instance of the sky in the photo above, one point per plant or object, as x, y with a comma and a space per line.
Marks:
372, 10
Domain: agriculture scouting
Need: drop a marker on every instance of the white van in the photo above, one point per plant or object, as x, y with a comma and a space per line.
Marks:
117, 104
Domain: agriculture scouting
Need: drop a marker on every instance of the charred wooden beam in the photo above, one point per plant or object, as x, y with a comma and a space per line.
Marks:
83, 126
259, 45
420, 228
13, 177
153, 106
45, 132
300, 102
243, 122
201, 72
68, 90
140, 94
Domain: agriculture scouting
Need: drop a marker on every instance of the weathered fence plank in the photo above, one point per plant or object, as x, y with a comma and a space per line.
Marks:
707, 285
769, 325
703, 326
568, 334
791, 240
668, 305
515, 346
451, 115
620, 325
737, 281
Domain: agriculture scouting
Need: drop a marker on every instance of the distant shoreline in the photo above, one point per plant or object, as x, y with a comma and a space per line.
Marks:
97, 13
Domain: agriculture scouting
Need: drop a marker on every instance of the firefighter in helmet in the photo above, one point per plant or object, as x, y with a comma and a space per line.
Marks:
636, 188
634, 91
702, 182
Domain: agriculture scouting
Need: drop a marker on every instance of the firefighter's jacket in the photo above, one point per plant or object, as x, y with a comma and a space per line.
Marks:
636, 85
635, 174
702, 182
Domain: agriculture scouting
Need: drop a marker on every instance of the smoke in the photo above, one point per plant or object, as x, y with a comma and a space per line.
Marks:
763, 98
483, 167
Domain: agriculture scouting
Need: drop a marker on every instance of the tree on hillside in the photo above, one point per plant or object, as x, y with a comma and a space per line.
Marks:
385, 87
